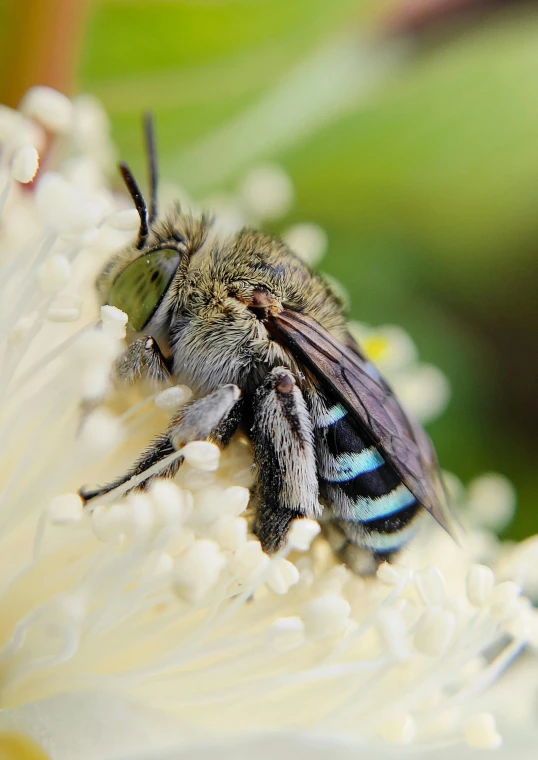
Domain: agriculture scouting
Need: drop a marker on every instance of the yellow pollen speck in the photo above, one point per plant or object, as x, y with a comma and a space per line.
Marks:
20, 747
376, 347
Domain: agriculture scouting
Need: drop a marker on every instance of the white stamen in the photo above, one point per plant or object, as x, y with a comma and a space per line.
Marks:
480, 583
64, 206
249, 562
392, 631
325, 616
333, 580
129, 520
164, 565
95, 382
24, 326
71, 607
481, 732
231, 532
63, 313
66, 509
506, 591
171, 505
54, 274
95, 346
127, 220
49, 107
435, 631
198, 570
140, 516
25, 164
507, 611
114, 321
198, 480
101, 432
172, 398
399, 730
202, 455
282, 576
431, 585
208, 506
302, 533
181, 540
389, 574
109, 523
287, 633
236, 499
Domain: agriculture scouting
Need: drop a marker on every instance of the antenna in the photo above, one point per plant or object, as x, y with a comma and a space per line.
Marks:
138, 200
153, 174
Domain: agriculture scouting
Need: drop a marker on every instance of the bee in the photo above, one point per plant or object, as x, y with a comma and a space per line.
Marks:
263, 342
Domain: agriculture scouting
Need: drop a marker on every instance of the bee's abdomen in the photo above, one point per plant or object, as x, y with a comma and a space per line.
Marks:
364, 493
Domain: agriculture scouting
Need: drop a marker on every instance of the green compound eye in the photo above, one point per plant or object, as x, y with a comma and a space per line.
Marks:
138, 290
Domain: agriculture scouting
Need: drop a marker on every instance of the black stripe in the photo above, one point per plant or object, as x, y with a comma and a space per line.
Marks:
343, 437
393, 523
375, 483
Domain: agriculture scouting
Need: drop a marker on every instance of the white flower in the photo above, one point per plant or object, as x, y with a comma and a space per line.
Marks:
423, 389
155, 626
267, 192
49, 107
309, 241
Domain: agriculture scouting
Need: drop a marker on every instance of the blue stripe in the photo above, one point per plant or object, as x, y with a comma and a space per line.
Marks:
349, 465
365, 508
388, 542
330, 416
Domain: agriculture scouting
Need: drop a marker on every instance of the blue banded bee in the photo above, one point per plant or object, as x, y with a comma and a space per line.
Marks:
263, 342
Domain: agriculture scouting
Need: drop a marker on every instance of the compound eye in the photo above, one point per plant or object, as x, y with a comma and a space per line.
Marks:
140, 288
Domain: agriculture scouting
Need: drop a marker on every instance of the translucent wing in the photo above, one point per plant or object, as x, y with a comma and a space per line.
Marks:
372, 404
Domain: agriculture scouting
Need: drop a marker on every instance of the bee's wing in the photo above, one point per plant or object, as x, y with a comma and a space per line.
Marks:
373, 406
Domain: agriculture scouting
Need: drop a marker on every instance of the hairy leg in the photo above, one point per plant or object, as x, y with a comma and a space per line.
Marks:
143, 359
282, 435
213, 417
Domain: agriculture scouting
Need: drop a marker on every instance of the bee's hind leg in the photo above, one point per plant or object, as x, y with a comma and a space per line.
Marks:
362, 561
214, 417
282, 436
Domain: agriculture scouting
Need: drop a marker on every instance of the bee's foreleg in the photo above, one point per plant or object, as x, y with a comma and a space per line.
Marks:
284, 456
214, 417
143, 359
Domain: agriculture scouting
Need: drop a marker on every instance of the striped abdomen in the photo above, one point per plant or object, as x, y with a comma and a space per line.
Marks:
363, 493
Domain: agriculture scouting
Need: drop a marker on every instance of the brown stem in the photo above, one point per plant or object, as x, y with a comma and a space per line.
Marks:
41, 46
416, 16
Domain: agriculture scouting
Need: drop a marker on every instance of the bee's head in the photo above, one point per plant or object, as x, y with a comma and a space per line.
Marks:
137, 279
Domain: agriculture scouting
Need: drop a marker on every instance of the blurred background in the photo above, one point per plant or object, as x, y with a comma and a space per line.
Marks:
409, 129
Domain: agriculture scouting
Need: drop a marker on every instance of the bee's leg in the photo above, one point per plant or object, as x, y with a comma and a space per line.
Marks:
214, 417
143, 359
360, 560
282, 436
